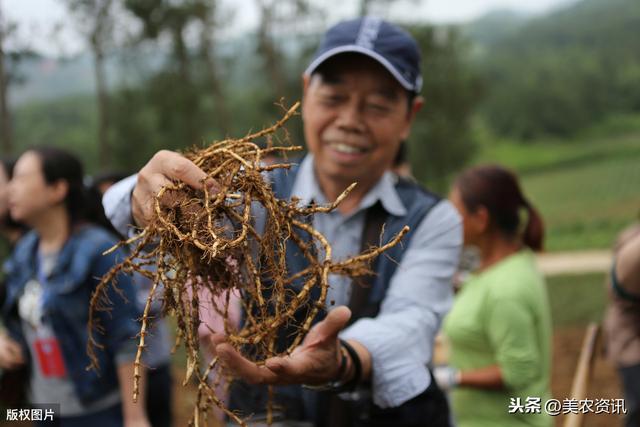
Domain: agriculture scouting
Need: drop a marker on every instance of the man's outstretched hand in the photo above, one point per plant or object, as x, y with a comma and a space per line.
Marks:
315, 361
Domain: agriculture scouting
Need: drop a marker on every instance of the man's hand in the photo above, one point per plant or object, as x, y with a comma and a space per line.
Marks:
315, 361
10, 353
163, 167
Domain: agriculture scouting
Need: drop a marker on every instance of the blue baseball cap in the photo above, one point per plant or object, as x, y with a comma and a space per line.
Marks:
386, 43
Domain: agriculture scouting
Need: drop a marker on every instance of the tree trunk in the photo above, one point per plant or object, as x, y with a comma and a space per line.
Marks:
98, 37
188, 107
208, 54
5, 114
104, 149
364, 7
268, 49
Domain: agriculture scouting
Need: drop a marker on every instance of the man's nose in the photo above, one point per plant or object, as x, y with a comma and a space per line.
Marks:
350, 118
12, 189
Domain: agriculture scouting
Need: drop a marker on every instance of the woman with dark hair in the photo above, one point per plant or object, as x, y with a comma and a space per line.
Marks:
500, 325
9, 229
51, 276
10, 232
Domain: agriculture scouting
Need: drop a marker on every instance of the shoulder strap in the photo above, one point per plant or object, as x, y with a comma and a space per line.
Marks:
361, 287
282, 179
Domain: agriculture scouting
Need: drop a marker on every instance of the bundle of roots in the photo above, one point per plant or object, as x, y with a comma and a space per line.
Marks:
208, 239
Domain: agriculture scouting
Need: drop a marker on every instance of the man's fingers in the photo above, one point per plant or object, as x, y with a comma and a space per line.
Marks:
244, 368
335, 321
289, 367
174, 165
147, 187
163, 167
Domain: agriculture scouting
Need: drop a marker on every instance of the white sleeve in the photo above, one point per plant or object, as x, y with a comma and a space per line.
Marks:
117, 204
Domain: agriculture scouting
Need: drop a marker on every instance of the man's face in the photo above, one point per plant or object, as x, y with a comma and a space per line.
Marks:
355, 117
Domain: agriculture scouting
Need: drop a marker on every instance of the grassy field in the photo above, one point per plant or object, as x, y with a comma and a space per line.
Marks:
587, 190
577, 300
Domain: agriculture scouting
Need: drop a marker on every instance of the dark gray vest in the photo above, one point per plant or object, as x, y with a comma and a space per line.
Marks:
302, 404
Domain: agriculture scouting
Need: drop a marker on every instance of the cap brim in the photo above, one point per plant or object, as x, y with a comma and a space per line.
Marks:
353, 48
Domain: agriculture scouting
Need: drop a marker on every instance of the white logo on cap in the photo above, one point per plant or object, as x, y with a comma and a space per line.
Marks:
368, 32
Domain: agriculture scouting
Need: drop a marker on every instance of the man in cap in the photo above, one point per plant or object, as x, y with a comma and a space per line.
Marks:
360, 97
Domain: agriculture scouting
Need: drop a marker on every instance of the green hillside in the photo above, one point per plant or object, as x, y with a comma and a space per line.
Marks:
493, 27
568, 310
556, 74
587, 190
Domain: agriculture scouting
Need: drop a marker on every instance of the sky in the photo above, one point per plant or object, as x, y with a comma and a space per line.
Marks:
46, 28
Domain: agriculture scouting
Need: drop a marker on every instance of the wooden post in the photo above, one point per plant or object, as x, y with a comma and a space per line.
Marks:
583, 372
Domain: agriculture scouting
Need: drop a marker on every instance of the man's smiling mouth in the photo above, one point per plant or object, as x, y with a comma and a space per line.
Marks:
347, 148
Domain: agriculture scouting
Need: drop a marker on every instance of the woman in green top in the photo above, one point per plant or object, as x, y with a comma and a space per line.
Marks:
500, 324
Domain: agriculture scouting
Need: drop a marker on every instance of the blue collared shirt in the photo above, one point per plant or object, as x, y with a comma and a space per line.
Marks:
400, 339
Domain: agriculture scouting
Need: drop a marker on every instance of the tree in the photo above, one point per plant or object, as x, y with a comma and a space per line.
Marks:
95, 20
209, 22
277, 23
377, 7
176, 89
267, 48
381, 7
441, 140
281, 26
13, 50
5, 114
559, 74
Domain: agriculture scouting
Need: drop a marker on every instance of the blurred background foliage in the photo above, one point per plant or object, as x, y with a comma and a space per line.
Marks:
556, 96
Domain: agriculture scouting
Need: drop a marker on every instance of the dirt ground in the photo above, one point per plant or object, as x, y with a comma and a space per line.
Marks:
604, 381
567, 344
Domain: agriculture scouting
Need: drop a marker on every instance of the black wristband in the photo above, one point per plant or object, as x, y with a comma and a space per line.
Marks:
337, 385
343, 366
357, 367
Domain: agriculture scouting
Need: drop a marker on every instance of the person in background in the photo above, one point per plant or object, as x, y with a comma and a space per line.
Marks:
50, 278
622, 319
95, 187
157, 354
500, 325
9, 229
11, 390
103, 181
211, 323
6, 170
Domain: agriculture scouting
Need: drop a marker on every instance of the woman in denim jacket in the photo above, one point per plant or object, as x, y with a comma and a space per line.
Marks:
50, 279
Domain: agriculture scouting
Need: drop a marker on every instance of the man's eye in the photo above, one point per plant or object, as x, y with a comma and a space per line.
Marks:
332, 99
378, 108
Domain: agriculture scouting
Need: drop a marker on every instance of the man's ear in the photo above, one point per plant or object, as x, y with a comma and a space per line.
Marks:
306, 79
415, 106
306, 82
